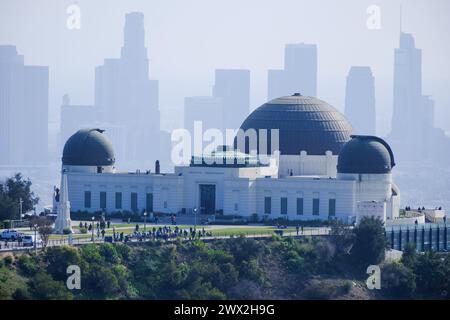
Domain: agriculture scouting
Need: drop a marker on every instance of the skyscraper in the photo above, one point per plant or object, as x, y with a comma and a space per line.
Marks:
23, 110
413, 133
126, 96
407, 85
204, 109
299, 73
233, 87
75, 117
360, 100
408, 128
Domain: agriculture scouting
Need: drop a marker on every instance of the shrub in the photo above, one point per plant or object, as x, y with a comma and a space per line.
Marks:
319, 291
67, 231
21, 294
398, 281
83, 230
27, 265
370, 242
59, 258
347, 287
44, 287
8, 260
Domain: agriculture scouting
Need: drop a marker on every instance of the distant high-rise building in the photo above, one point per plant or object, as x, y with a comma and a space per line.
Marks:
126, 96
75, 117
233, 87
299, 73
408, 112
207, 111
360, 100
413, 134
407, 87
23, 110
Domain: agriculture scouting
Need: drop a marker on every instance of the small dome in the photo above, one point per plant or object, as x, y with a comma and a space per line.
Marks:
88, 147
365, 154
304, 124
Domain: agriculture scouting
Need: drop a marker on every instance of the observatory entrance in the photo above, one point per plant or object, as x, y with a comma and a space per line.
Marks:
207, 198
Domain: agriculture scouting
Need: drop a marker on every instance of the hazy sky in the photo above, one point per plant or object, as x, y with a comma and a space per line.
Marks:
188, 39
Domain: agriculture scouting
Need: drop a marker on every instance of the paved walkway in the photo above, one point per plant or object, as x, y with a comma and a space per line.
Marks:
14, 246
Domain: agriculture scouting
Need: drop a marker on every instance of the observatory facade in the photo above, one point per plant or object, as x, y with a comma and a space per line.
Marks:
321, 171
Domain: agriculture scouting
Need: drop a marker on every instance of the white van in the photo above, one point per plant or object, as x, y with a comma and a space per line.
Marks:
28, 240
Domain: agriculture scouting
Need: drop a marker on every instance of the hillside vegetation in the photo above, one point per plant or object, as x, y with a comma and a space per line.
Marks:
239, 268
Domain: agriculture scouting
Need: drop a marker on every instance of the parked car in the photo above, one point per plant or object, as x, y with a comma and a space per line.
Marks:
11, 235
28, 240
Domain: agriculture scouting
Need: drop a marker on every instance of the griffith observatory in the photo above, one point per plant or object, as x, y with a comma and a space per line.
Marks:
321, 172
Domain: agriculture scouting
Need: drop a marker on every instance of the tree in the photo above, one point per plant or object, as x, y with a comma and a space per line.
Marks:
398, 281
58, 258
370, 242
14, 190
431, 275
45, 228
341, 236
409, 256
8, 209
44, 287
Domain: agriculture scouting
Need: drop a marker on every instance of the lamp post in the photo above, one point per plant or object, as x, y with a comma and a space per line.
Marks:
145, 221
92, 239
35, 239
195, 217
20, 208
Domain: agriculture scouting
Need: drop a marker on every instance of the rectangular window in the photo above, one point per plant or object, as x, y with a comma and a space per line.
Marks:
284, 205
87, 199
134, 204
300, 206
267, 205
332, 207
118, 200
149, 202
316, 203
102, 200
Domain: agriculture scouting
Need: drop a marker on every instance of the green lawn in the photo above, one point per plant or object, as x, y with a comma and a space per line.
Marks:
248, 231
215, 230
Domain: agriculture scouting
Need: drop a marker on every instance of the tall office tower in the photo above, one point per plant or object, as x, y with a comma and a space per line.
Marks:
74, 118
408, 126
360, 100
206, 110
23, 110
299, 73
233, 87
126, 96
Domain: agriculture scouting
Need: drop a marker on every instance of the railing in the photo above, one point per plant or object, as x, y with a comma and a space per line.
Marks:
432, 237
17, 246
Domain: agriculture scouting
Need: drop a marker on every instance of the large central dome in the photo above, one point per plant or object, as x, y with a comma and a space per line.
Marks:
304, 124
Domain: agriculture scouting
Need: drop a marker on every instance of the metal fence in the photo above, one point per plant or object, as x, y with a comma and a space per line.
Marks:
430, 237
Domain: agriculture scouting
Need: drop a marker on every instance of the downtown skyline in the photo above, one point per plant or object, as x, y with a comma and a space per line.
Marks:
196, 79
72, 66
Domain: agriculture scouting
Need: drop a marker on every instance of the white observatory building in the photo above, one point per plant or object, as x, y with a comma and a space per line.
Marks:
321, 172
